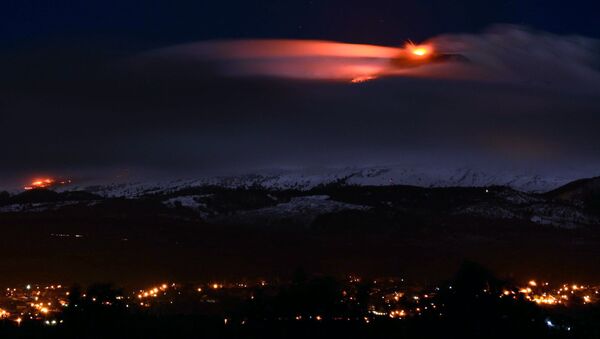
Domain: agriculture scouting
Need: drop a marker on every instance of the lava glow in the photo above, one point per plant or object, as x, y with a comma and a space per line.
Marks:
362, 79
45, 183
418, 51
40, 183
307, 59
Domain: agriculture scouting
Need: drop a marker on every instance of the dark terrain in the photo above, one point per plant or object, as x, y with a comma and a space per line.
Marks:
420, 233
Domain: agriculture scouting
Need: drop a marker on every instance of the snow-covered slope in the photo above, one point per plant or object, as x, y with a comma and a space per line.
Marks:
382, 175
381, 190
300, 209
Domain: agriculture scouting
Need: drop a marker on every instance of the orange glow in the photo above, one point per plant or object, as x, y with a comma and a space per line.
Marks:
546, 300
40, 183
397, 314
253, 49
45, 183
309, 59
419, 51
363, 78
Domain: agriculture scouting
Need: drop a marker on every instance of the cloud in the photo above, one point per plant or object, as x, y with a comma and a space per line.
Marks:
521, 56
299, 59
526, 98
501, 54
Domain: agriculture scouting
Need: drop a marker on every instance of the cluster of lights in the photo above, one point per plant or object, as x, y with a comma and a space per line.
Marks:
414, 305
42, 307
37, 302
542, 294
397, 314
395, 301
218, 285
154, 291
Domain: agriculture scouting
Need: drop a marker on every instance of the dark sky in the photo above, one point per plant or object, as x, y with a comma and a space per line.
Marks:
137, 24
75, 97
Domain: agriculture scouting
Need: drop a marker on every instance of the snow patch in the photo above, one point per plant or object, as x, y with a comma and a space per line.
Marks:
299, 209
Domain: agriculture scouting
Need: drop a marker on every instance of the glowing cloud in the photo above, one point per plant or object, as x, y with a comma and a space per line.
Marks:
45, 183
501, 54
307, 59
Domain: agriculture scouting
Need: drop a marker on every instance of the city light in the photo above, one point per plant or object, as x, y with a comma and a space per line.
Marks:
388, 299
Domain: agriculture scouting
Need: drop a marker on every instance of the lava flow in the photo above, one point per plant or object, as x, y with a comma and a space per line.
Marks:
42, 183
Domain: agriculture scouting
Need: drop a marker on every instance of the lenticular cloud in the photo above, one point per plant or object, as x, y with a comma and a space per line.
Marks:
300, 59
507, 54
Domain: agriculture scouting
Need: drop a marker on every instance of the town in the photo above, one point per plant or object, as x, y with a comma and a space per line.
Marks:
304, 299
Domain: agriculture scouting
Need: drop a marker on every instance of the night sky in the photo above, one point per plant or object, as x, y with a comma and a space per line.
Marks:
79, 95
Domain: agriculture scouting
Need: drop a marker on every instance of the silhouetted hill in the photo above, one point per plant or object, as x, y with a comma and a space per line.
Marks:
47, 196
583, 191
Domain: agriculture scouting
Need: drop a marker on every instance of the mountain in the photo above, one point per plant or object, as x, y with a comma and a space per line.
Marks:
306, 179
578, 190
184, 228
584, 193
276, 200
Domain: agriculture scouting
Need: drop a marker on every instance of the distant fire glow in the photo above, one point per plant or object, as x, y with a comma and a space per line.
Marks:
308, 59
362, 78
41, 183
419, 50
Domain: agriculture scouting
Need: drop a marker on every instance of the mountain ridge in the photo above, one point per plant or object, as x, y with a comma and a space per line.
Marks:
365, 176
